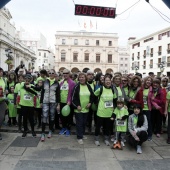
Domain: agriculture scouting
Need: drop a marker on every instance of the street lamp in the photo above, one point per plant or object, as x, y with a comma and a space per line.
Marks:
162, 67
43, 66
136, 69
9, 60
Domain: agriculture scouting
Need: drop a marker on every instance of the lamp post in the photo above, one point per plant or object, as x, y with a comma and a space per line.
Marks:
43, 66
162, 67
9, 60
136, 69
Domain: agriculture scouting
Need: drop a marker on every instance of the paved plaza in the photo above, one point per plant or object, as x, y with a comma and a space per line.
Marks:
63, 153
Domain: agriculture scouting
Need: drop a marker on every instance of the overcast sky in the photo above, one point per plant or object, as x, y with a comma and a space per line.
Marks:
49, 16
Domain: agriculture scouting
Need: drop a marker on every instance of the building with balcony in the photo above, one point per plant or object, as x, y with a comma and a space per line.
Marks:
20, 54
46, 59
80, 51
124, 66
151, 53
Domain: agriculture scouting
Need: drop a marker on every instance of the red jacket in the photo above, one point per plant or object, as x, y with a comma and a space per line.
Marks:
138, 99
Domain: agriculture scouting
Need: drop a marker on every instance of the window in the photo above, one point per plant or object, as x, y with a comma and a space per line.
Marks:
126, 59
86, 57
151, 63
138, 56
97, 42
121, 65
151, 52
159, 50
87, 42
76, 42
159, 60
63, 41
44, 55
63, 56
168, 61
132, 56
121, 58
109, 58
126, 65
110, 43
144, 64
168, 48
97, 58
75, 57
144, 53
39, 54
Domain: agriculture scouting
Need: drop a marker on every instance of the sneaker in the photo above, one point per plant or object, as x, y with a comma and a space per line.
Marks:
158, 135
97, 143
0, 137
115, 141
62, 131
168, 141
84, 137
42, 137
80, 141
67, 133
122, 143
139, 149
34, 134
49, 134
24, 134
112, 138
107, 143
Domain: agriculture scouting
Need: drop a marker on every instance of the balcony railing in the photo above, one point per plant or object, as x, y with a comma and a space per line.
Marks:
151, 54
168, 64
144, 67
159, 52
144, 56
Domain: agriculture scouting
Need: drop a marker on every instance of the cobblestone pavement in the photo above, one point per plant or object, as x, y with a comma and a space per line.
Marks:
61, 153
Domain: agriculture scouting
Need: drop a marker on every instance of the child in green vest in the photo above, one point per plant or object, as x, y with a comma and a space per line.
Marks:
11, 107
120, 116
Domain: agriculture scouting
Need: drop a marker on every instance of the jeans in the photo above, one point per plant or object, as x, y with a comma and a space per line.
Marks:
168, 128
48, 113
28, 113
156, 119
105, 122
142, 136
81, 119
148, 116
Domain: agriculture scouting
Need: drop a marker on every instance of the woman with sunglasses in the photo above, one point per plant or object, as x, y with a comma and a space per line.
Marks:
50, 101
66, 89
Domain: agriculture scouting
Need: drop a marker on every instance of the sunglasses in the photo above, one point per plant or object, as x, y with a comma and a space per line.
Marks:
165, 81
65, 73
51, 73
124, 80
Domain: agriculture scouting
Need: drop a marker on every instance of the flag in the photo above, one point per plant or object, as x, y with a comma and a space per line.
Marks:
85, 26
91, 25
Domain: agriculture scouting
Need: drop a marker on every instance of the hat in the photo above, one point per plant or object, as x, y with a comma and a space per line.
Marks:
90, 72
66, 71
28, 76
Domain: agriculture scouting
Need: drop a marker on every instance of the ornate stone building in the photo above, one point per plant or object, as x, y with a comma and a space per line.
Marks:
79, 51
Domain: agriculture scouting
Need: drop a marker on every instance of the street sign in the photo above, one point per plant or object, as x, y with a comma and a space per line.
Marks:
95, 11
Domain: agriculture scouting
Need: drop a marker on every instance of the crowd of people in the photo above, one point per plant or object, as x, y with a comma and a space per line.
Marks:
118, 106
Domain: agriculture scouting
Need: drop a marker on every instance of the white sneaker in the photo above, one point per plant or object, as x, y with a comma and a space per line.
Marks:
97, 143
42, 137
49, 134
84, 137
139, 149
107, 142
122, 143
115, 141
80, 141
112, 138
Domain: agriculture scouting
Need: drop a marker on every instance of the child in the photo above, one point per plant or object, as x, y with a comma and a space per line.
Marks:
120, 116
11, 107
138, 126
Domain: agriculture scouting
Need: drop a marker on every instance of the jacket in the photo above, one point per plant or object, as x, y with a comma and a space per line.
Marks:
50, 94
76, 98
71, 85
133, 127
